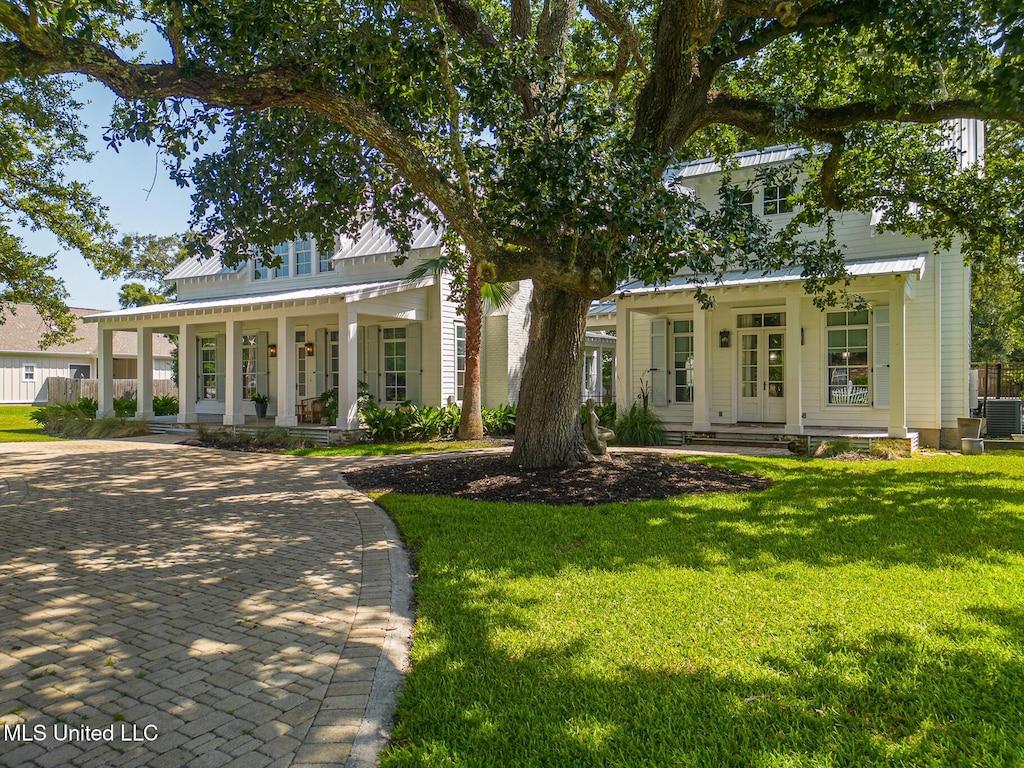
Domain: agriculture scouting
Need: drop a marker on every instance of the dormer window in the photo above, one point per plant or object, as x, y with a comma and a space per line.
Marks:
747, 202
260, 271
303, 257
281, 252
776, 199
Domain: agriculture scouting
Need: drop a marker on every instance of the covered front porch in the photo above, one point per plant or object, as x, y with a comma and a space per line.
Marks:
287, 347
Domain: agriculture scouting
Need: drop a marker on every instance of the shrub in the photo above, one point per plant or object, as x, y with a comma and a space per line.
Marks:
384, 425
88, 406
330, 398
889, 450
831, 448
165, 405
639, 426
125, 407
429, 423
500, 421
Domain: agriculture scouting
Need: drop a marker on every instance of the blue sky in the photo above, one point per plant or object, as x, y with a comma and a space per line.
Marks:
121, 180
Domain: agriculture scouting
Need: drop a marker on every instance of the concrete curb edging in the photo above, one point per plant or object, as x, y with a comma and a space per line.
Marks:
393, 663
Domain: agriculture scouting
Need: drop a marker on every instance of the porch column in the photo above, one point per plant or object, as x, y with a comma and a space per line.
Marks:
105, 383
286, 372
187, 370
144, 374
348, 368
234, 405
701, 370
897, 359
623, 358
794, 384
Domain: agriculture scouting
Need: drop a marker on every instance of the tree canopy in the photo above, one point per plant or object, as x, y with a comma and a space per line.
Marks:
539, 133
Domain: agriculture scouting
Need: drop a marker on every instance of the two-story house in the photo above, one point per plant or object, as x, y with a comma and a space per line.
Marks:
765, 359
327, 317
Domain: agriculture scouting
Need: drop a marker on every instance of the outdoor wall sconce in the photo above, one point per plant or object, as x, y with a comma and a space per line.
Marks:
272, 350
309, 349
723, 338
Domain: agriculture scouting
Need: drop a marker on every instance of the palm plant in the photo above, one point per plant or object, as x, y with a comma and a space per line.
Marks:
475, 293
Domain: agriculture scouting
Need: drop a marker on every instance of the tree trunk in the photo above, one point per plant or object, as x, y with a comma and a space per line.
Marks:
548, 432
471, 426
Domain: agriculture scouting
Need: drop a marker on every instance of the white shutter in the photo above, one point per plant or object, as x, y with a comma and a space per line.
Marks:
881, 357
262, 364
659, 361
412, 363
222, 342
371, 356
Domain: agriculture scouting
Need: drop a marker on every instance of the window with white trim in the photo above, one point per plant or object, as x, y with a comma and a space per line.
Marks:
460, 360
747, 202
776, 199
324, 256
395, 375
28, 372
281, 252
207, 367
682, 360
303, 257
848, 371
260, 271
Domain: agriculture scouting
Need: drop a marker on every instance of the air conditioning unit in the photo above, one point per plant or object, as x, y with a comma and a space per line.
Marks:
1003, 417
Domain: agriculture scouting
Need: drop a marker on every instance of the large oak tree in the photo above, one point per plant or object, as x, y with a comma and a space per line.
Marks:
538, 132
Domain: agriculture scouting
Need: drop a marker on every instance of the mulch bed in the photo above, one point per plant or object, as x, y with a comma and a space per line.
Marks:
622, 478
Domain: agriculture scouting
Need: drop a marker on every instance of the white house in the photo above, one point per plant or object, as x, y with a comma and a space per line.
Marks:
328, 317
764, 357
25, 368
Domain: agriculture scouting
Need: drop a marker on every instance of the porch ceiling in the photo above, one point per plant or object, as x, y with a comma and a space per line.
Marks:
265, 301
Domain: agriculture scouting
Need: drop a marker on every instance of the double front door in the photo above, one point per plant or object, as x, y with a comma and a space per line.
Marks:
762, 373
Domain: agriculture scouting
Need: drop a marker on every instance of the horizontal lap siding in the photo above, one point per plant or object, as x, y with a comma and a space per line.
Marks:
955, 339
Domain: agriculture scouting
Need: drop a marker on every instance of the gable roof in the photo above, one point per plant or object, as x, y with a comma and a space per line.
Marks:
22, 328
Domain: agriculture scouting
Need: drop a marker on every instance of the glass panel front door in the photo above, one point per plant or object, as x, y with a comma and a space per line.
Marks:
762, 375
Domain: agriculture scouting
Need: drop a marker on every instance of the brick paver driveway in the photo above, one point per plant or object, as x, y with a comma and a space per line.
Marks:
169, 606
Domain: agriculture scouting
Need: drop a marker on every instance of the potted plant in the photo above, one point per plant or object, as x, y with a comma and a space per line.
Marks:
260, 401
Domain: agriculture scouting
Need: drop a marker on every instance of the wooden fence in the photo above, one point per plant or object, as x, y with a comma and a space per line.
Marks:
59, 390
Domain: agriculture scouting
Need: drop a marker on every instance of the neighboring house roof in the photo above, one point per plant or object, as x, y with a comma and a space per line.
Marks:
370, 240
348, 292
893, 265
23, 327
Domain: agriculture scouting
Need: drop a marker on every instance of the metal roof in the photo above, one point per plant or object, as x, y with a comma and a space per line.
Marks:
194, 266
602, 308
750, 159
346, 292
370, 240
373, 240
894, 265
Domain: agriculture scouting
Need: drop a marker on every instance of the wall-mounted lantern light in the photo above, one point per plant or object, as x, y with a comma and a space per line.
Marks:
309, 349
724, 337
272, 350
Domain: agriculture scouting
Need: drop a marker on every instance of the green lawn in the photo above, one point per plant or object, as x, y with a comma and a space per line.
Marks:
392, 449
17, 427
854, 614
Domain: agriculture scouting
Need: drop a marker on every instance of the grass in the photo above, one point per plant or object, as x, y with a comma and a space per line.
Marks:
17, 427
392, 449
853, 614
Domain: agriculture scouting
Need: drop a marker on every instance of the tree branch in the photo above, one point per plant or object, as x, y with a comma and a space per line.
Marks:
622, 27
464, 18
257, 90
762, 120
855, 10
